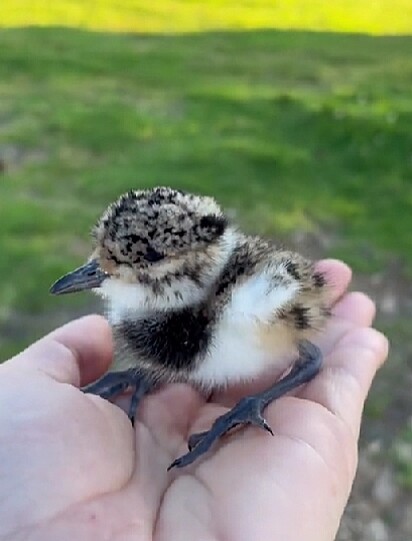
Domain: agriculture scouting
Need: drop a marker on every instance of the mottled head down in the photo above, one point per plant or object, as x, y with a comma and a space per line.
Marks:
154, 249
145, 229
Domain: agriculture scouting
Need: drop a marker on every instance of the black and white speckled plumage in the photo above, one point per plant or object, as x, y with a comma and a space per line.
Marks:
192, 299
181, 281
144, 227
185, 258
170, 344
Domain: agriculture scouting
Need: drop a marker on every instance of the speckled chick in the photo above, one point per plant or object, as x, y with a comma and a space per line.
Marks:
192, 299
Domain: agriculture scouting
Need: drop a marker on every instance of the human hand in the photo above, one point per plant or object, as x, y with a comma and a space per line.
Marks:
72, 467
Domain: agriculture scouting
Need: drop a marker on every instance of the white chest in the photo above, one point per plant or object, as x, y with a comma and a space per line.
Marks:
130, 300
249, 340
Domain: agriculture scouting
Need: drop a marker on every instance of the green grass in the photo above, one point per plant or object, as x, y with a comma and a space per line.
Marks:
401, 452
292, 129
377, 17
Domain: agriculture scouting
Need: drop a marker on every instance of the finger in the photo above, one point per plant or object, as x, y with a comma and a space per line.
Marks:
357, 308
353, 310
167, 413
344, 382
76, 353
161, 430
338, 276
170, 412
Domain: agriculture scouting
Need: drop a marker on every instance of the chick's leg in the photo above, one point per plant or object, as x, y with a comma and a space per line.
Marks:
113, 384
249, 410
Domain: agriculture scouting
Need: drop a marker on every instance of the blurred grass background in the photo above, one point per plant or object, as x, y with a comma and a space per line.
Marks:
293, 129
296, 115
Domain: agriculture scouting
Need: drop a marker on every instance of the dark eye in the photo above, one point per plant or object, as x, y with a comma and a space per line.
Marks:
153, 255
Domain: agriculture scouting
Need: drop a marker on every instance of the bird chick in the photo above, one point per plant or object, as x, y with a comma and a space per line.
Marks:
192, 299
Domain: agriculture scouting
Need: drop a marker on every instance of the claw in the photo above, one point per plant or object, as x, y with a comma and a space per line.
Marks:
113, 384
264, 424
249, 410
194, 439
110, 385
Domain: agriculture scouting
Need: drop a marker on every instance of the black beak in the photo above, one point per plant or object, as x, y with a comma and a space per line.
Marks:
87, 276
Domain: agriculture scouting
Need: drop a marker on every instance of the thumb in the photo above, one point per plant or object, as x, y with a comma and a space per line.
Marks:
76, 353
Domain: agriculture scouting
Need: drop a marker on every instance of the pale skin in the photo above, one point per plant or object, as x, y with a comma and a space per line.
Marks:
72, 467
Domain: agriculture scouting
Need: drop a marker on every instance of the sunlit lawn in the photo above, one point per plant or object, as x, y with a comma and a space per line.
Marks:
379, 17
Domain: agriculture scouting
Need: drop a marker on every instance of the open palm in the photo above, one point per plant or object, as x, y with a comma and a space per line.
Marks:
72, 467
